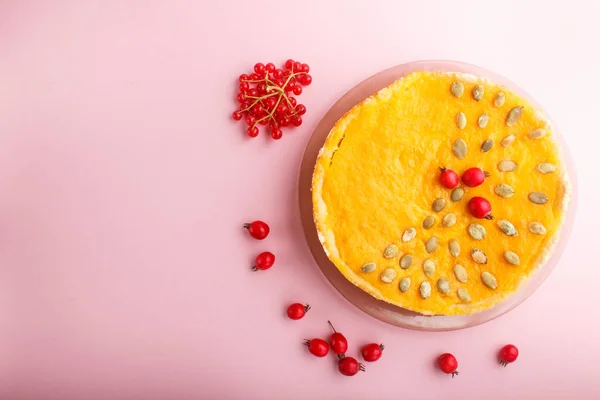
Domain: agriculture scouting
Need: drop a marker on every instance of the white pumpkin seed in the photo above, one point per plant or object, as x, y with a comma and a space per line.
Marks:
513, 116
460, 273
454, 247
368, 267
428, 267
479, 256
459, 148
391, 251
388, 275
461, 120
487, 145
537, 134
537, 228
438, 205
477, 92
489, 280
443, 285
431, 245
512, 257
404, 284
483, 120
409, 234
507, 141
508, 228
457, 194
425, 289
507, 166
457, 89
499, 100
538, 198
449, 220
463, 295
504, 190
406, 261
546, 168
428, 222
476, 231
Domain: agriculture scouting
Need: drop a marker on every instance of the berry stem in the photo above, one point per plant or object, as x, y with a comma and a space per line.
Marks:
331, 325
454, 373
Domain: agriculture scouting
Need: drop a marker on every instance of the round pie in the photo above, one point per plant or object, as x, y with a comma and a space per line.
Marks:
390, 226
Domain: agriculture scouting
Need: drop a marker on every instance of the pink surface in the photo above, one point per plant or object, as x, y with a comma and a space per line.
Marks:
123, 268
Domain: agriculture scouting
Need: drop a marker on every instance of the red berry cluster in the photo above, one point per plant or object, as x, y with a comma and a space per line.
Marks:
265, 97
448, 364
479, 207
259, 230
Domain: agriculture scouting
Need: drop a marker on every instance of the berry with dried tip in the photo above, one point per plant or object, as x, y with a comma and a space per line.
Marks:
349, 366
317, 347
448, 364
508, 354
263, 261
448, 178
372, 352
480, 208
474, 176
297, 310
337, 341
258, 229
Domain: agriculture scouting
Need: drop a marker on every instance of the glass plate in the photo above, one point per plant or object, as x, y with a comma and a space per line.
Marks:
380, 309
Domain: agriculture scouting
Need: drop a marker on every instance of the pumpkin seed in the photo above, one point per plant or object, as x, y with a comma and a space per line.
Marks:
461, 120
514, 115
489, 280
504, 190
546, 167
508, 228
476, 231
457, 194
487, 145
507, 141
391, 251
499, 100
483, 120
459, 148
537, 134
428, 222
538, 198
512, 258
457, 89
479, 256
406, 261
404, 284
537, 228
409, 234
443, 285
428, 267
477, 92
368, 267
425, 289
388, 275
454, 247
449, 220
463, 295
438, 205
507, 166
460, 273
431, 245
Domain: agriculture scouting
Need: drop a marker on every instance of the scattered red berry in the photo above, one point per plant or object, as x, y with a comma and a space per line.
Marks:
297, 310
448, 178
264, 260
372, 352
349, 366
448, 364
317, 347
337, 341
480, 208
508, 354
474, 177
257, 229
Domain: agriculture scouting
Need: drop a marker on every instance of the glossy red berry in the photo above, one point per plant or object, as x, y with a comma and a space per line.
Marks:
297, 90
337, 341
296, 120
474, 177
276, 133
264, 260
305, 68
259, 68
270, 67
297, 310
278, 74
250, 120
317, 347
448, 178
349, 366
372, 352
252, 131
243, 77
307, 80
508, 354
448, 364
480, 208
300, 109
237, 115
257, 229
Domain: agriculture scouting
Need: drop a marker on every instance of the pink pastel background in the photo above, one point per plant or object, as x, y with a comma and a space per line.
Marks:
124, 184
